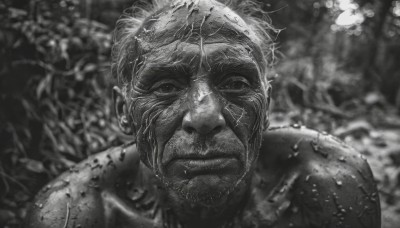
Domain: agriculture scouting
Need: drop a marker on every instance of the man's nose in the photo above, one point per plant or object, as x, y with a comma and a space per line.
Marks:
204, 115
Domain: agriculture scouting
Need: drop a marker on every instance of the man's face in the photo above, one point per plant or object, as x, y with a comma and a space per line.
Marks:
198, 107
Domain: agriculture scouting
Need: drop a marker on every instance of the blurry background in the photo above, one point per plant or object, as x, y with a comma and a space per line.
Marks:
337, 70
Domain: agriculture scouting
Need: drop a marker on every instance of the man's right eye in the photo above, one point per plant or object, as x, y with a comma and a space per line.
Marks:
166, 88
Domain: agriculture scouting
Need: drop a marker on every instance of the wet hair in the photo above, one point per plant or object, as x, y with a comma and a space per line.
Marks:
132, 43
132, 21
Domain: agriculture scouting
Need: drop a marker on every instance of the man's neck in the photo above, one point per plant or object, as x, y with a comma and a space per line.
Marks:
178, 210
197, 214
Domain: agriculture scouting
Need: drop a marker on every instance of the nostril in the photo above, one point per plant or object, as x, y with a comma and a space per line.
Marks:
189, 129
204, 120
187, 124
217, 129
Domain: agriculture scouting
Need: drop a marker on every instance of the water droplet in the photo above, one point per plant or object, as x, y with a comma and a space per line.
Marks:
122, 155
293, 155
342, 159
295, 147
110, 163
297, 126
316, 148
47, 188
339, 183
308, 178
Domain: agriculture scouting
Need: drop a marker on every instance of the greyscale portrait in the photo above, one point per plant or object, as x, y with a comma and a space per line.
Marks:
200, 113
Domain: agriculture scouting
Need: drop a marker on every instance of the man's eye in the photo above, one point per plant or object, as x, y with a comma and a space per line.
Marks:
167, 88
235, 85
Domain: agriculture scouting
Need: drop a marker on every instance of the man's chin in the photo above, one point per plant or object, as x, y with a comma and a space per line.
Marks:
206, 190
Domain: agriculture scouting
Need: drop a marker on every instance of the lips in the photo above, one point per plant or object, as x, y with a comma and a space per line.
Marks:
189, 166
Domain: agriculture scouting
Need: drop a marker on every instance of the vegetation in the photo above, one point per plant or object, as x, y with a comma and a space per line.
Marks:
337, 71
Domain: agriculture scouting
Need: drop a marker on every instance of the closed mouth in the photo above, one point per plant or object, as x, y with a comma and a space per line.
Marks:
208, 157
208, 164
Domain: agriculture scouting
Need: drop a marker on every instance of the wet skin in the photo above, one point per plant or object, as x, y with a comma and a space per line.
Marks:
197, 103
303, 178
203, 126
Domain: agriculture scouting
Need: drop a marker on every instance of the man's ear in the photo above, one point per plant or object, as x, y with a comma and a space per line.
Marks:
266, 120
122, 112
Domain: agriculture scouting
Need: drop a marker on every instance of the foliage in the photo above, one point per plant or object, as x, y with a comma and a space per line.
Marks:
55, 108
347, 48
55, 103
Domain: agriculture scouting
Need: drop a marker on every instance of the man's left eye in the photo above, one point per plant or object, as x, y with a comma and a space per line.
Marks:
236, 84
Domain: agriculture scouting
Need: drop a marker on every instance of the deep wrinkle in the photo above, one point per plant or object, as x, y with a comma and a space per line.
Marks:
222, 32
207, 71
240, 113
247, 64
160, 60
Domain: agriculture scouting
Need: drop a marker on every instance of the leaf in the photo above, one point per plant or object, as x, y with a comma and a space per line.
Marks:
33, 165
90, 68
6, 215
79, 76
44, 85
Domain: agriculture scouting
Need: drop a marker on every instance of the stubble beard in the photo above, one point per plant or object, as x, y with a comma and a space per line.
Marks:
215, 195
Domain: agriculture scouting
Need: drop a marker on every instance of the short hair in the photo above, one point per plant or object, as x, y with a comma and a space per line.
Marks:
133, 19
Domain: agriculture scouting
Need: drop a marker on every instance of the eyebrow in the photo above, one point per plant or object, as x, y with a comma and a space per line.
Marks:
246, 68
152, 72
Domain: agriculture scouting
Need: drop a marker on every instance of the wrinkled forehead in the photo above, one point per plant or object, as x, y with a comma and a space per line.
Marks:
214, 57
197, 22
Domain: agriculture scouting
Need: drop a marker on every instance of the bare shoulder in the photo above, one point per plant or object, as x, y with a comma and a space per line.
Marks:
312, 149
74, 199
334, 184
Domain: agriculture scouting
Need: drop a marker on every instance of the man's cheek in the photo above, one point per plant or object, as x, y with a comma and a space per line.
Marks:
168, 122
239, 118
145, 112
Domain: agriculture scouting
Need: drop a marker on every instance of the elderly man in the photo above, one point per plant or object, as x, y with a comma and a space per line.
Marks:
192, 93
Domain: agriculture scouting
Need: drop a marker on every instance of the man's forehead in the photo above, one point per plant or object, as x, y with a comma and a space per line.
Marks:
188, 60
189, 53
194, 21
